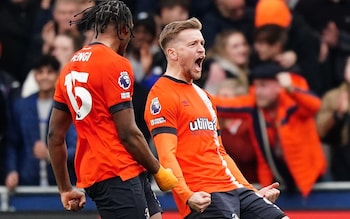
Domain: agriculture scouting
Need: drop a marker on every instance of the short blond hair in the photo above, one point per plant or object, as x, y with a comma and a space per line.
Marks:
172, 29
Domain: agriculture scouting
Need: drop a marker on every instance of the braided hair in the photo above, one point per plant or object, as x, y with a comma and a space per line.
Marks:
103, 13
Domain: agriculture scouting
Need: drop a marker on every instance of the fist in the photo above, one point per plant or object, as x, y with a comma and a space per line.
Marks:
165, 179
284, 79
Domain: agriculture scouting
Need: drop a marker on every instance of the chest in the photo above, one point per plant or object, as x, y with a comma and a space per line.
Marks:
196, 110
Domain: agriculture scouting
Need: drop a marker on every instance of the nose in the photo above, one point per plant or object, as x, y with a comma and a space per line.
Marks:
201, 48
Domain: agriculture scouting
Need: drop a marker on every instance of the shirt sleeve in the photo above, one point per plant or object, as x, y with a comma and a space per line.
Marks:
118, 85
161, 113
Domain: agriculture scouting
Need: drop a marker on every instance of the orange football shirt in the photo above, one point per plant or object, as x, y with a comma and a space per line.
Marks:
186, 111
96, 83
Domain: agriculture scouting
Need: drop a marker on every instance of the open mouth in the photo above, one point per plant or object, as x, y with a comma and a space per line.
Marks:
199, 62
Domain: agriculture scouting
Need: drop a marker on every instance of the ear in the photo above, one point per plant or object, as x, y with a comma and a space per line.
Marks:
171, 53
124, 31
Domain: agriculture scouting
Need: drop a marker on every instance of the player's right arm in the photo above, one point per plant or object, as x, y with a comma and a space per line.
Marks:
166, 145
59, 123
133, 139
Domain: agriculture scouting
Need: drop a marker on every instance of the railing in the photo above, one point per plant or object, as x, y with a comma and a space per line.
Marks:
332, 195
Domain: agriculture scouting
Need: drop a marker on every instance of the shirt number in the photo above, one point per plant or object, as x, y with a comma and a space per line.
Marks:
75, 92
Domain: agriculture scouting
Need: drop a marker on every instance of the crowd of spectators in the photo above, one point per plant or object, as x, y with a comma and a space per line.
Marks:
309, 39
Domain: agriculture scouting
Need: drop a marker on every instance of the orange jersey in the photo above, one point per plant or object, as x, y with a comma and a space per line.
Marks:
96, 83
186, 111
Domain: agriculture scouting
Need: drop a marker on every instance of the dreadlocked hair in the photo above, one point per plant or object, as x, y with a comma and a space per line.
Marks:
103, 13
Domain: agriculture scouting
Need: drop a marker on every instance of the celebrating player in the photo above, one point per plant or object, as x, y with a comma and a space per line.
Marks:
94, 91
182, 120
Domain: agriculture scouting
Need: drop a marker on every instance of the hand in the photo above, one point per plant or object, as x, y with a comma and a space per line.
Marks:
199, 201
286, 59
270, 192
165, 179
12, 179
330, 34
73, 200
323, 54
343, 104
40, 150
284, 79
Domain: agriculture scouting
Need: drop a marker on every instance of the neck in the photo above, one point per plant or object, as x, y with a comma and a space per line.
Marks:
108, 41
46, 94
175, 71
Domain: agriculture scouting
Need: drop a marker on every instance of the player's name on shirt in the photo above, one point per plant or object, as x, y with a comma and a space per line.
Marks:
81, 57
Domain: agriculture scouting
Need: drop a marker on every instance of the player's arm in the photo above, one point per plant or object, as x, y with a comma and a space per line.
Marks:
135, 143
58, 127
166, 145
133, 139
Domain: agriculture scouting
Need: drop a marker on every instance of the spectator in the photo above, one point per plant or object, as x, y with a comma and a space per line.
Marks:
232, 51
63, 48
139, 50
140, 53
173, 10
301, 39
9, 91
16, 23
336, 11
228, 14
269, 45
333, 122
27, 159
237, 134
283, 112
63, 13
338, 42
169, 10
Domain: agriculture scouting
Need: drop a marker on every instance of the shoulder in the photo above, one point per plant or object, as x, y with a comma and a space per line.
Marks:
163, 92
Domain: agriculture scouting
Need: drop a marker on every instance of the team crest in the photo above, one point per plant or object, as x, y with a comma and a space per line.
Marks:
124, 80
155, 106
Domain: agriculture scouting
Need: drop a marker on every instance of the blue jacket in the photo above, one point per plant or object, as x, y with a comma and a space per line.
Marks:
24, 132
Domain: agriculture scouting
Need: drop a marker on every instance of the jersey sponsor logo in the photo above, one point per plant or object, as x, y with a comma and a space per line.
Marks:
125, 95
202, 124
155, 106
124, 80
157, 121
81, 57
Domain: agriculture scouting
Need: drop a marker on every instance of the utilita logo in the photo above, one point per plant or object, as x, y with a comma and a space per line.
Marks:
202, 124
